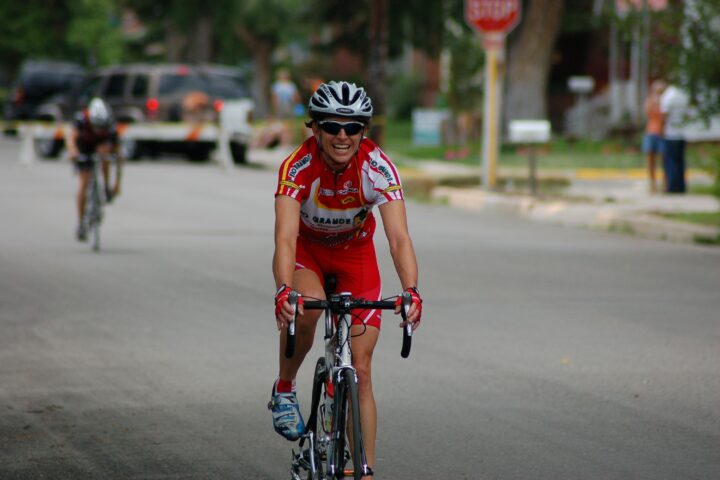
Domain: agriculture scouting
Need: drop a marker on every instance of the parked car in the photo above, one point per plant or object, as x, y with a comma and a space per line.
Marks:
37, 81
140, 93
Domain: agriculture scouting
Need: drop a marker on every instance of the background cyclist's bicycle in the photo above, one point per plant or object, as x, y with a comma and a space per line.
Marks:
94, 200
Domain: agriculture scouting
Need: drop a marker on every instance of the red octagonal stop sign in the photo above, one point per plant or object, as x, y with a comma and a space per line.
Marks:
492, 16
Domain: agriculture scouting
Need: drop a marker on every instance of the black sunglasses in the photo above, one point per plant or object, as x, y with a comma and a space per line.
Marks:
333, 128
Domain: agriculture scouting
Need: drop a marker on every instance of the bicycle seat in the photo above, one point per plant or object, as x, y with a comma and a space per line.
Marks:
330, 284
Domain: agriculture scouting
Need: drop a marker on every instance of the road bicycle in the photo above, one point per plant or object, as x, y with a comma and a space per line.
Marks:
94, 200
329, 443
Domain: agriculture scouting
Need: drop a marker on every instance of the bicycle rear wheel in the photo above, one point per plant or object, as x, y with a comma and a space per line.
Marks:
95, 216
315, 421
93, 210
95, 232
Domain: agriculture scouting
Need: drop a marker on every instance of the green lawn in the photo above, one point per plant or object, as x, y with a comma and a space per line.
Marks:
702, 218
559, 154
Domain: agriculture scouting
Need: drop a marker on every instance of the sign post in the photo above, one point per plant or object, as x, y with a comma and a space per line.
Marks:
492, 19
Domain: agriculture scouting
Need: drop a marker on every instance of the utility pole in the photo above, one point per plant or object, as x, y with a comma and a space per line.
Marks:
376, 66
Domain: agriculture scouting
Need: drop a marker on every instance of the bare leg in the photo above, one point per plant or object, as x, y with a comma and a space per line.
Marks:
307, 283
651, 171
103, 152
363, 346
80, 196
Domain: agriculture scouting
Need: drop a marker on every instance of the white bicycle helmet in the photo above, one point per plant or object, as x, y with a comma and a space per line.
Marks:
340, 99
99, 114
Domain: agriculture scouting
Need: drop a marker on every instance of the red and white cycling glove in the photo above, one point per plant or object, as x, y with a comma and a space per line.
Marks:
280, 298
416, 300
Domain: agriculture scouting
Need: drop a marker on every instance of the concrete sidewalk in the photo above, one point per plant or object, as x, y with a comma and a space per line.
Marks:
615, 200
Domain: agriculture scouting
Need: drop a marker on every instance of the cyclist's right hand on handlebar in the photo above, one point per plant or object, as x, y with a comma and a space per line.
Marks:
284, 312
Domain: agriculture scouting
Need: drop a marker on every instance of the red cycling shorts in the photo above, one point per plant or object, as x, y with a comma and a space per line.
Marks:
355, 267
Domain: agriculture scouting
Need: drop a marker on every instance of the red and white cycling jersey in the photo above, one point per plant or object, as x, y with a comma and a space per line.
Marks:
336, 207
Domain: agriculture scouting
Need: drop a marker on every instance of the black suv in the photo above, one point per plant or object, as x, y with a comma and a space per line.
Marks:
37, 81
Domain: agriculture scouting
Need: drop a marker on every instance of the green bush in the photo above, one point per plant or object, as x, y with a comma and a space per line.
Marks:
404, 96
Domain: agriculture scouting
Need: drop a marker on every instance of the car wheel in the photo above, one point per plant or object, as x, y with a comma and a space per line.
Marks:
239, 153
48, 147
198, 153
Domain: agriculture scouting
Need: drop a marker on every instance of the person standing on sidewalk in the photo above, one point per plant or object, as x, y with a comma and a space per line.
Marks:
652, 144
674, 103
285, 97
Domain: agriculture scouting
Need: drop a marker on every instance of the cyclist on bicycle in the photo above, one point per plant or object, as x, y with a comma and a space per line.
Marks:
94, 132
324, 225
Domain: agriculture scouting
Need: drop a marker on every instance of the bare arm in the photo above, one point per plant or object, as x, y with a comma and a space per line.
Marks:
401, 248
72, 148
287, 224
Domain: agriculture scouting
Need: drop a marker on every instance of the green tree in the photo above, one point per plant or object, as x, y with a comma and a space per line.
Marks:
263, 26
33, 28
94, 31
698, 64
465, 89
188, 30
685, 46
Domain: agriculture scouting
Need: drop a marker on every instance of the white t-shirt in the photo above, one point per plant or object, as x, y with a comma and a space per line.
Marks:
674, 104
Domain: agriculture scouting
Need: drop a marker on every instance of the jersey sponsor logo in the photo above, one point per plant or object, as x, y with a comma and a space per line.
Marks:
326, 192
347, 188
288, 184
359, 219
387, 173
392, 188
347, 200
298, 166
332, 221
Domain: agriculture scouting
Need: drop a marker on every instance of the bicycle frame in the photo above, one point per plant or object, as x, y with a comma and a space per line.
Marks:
336, 364
338, 358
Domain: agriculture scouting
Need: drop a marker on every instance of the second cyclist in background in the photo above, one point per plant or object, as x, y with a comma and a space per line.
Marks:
94, 133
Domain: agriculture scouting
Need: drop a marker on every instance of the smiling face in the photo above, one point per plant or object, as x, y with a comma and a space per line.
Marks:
337, 149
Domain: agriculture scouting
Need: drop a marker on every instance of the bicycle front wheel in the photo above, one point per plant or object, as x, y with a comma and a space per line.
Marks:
348, 408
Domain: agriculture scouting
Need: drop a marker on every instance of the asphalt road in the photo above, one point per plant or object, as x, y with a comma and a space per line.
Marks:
545, 352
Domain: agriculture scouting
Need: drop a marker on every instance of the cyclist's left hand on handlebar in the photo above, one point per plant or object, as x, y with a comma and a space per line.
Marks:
415, 311
284, 313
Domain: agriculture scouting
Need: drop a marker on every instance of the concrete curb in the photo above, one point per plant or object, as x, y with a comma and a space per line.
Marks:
655, 227
632, 219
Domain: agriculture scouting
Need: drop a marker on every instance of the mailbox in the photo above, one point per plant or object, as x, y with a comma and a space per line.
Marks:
529, 131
